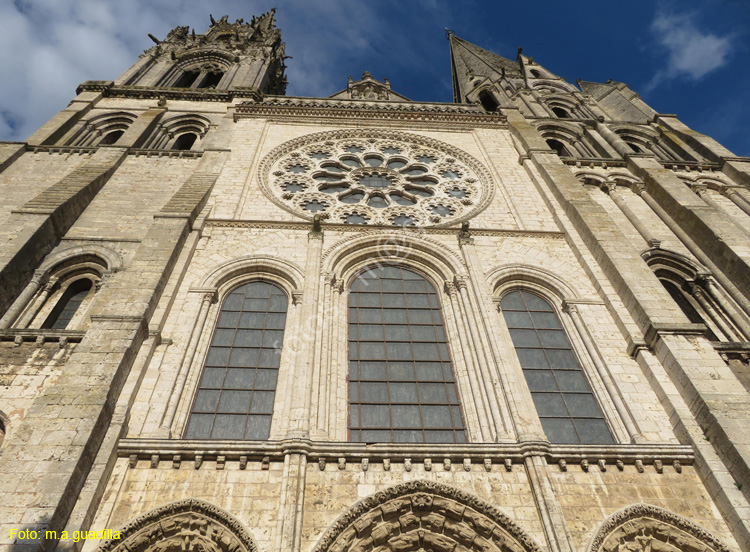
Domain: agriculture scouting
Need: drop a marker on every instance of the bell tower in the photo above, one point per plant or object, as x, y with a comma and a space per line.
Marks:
228, 56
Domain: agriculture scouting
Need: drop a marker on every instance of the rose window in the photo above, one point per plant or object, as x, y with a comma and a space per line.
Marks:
368, 178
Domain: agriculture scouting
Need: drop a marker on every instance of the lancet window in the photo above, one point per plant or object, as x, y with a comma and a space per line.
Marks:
236, 392
401, 382
566, 405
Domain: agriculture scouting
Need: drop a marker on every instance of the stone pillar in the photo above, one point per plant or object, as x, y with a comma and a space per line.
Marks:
186, 362
614, 193
507, 398
550, 511
717, 236
37, 305
738, 199
324, 366
626, 417
22, 300
725, 281
479, 395
307, 339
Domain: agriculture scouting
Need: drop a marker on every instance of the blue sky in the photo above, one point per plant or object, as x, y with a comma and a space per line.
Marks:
688, 57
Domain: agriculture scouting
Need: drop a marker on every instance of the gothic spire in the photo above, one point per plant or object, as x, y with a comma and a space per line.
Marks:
469, 63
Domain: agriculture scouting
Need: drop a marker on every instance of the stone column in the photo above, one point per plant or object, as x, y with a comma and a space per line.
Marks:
554, 525
323, 364
725, 281
618, 200
308, 342
738, 318
467, 364
504, 394
22, 300
626, 417
28, 317
186, 362
484, 376
738, 199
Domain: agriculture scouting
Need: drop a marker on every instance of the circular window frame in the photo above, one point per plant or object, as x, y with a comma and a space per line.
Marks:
473, 176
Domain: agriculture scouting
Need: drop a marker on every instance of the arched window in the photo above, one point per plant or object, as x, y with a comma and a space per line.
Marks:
111, 137
559, 147
187, 79
401, 383
634, 147
560, 112
488, 100
2, 432
691, 311
564, 401
68, 305
185, 141
212, 80
236, 392
536, 74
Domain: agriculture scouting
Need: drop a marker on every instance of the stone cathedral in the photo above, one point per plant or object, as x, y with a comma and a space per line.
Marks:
233, 320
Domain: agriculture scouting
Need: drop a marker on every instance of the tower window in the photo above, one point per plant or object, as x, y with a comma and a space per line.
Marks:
68, 305
687, 307
111, 137
560, 112
187, 79
635, 148
488, 101
562, 395
536, 74
212, 80
559, 147
185, 141
237, 389
401, 383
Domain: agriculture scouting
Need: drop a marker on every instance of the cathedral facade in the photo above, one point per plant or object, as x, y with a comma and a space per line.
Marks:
517, 322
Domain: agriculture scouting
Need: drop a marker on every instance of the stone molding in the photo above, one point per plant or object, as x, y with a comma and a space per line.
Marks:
299, 225
189, 449
636, 528
455, 517
191, 522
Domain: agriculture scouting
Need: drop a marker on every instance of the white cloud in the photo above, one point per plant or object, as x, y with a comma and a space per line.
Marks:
691, 52
49, 47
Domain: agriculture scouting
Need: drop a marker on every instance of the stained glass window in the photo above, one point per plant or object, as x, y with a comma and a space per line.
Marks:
236, 391
564, 401
401, 383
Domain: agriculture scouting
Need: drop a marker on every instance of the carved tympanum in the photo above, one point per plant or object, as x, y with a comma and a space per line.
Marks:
184, 525
646, 528
423, 515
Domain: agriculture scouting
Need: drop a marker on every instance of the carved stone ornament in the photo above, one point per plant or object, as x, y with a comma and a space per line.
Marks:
424, 515
183, 525
646, 528
369, 177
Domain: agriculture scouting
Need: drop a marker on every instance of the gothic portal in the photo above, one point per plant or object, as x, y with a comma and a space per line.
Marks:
236, 321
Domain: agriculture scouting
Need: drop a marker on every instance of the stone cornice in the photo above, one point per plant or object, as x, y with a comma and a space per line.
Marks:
322, 109
500, 455
305, 226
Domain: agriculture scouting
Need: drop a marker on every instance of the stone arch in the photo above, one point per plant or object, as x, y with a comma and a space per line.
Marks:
99, 126
641, 526
520, 275
427, 515
106, 258
348, 255
186, 524
229, 274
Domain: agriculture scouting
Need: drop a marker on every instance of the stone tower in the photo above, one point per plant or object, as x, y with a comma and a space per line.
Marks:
232, 320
